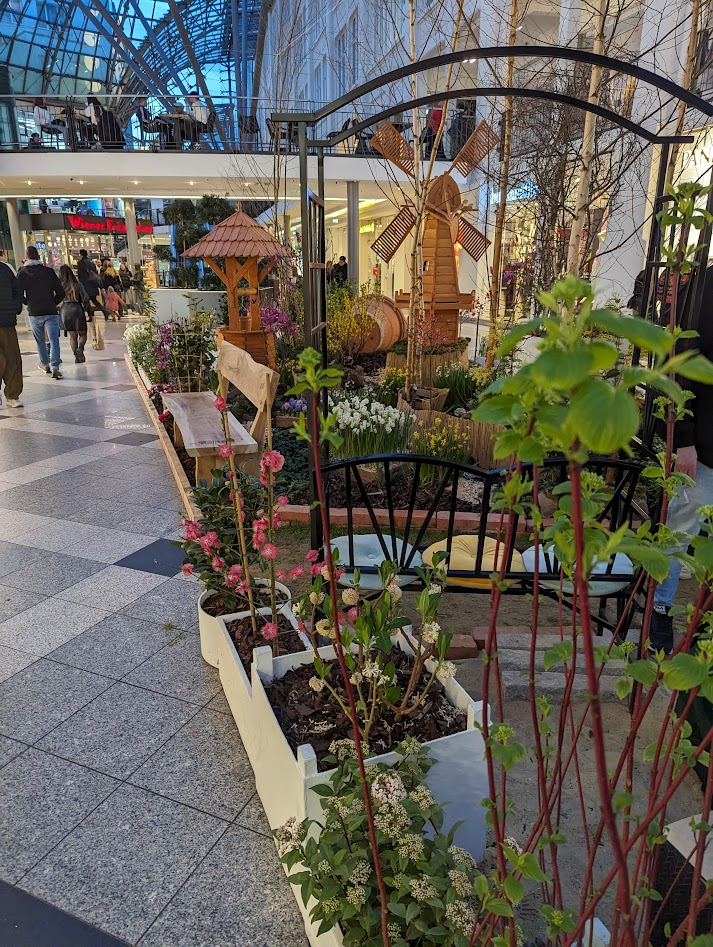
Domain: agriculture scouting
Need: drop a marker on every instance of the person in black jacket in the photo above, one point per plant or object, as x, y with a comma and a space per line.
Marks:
10, 358
42, 291
693, 443
89, 278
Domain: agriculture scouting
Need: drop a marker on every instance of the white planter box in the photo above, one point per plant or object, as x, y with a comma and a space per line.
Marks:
283, 781
211, 633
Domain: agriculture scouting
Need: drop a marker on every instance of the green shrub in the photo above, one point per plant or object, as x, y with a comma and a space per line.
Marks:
390, 384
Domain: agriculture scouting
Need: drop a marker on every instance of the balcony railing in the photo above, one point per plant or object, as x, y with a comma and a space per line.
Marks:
220, 124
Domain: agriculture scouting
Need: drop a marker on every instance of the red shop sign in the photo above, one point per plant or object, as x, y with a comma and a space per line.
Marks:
102, 224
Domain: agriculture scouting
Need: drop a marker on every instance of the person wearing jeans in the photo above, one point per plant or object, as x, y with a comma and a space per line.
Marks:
42, 291
693, 440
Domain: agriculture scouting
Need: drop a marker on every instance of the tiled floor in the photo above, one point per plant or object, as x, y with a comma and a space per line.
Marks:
126, 798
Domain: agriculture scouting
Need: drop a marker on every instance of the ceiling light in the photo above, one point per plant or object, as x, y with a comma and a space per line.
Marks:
191, 183
136, 182
29, 181
80, 181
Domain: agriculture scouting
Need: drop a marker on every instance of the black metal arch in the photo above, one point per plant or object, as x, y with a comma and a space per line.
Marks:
495, 92
504, 52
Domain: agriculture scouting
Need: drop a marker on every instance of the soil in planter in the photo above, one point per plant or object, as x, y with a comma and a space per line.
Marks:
400, 494
245, 639
309, 717
261, 597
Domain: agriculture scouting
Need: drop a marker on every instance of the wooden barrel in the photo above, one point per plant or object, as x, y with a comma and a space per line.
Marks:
389, 324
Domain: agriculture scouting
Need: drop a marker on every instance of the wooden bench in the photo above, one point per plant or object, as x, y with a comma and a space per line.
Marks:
199, 430
198, 426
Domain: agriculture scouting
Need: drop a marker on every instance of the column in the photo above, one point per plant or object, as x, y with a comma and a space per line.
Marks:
18, 244
353, 230
132, 240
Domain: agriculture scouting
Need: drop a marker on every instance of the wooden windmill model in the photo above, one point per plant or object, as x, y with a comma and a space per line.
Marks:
444, 225
249, 252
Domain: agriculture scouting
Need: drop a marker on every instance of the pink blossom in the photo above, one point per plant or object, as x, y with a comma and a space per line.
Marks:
225, 450
269, 631
316, 569
220, 403
192, 530
272, 460
259, 539
281, 575
352, 614
261, 524
187, 568
312, 555
269, 551
297, 572
218, 564
338, 573
210, 541
276, 521
164, 416
283, 501
235, 572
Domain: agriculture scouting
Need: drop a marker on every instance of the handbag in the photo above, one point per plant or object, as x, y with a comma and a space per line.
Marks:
97, 337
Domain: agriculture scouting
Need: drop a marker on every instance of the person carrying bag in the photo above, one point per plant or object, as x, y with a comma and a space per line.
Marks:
73, 312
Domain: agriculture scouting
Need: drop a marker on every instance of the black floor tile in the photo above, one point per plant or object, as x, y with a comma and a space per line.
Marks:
160, 557
133, 439
28, 922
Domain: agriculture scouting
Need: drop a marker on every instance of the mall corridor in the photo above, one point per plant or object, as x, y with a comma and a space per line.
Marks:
126, 798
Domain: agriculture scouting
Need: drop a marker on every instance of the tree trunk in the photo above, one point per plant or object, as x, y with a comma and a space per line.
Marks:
500, 214
588, 146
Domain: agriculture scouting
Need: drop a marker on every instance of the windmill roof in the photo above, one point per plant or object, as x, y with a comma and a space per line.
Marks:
237, 236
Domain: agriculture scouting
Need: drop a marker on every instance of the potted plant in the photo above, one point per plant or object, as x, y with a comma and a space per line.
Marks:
289, 411
367, 427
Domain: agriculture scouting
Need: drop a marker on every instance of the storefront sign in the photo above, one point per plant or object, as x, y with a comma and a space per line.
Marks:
367, 228
102, 224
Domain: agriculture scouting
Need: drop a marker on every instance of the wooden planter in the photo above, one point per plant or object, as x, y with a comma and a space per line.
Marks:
478, 433
429, 364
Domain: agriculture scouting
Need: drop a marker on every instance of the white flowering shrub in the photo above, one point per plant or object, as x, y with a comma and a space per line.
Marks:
368, 427
365, 630
433, 887
142, 340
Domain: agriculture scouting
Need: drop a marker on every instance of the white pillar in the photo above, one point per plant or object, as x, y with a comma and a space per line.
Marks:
18, 244
353, 230
132, 240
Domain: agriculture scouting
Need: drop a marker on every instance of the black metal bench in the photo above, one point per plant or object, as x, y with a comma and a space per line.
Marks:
401, 537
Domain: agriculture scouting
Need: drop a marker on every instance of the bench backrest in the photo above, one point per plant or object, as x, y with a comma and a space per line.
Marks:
257, 382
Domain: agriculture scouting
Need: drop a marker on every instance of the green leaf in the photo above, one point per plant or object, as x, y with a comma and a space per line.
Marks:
322, 789
557, 368
698, 369
643, 671
623, 687
604, 418
516, 335
530, 868
684, 672
645, 335
557, 654
499, 908
513, 889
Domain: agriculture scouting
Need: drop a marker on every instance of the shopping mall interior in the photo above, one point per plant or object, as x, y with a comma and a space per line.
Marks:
281, 396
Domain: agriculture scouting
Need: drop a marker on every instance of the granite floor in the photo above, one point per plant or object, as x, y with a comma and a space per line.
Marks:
126, 798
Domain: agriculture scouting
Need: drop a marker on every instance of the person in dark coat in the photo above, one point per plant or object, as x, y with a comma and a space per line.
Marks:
73, 312
340, 273
10, 358
42, 291
109, 131
693, 443
89, 278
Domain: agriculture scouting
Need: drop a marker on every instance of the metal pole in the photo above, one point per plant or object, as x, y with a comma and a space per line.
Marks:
236, 59
16, 239
353, 231
132, 240
304, 227
322, 260
244, 51
158, 47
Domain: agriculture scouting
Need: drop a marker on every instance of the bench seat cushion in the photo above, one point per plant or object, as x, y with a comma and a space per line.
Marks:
622, 566
368, 552
463, 554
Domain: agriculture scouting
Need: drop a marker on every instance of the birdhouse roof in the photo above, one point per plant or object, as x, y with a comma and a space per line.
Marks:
237, 236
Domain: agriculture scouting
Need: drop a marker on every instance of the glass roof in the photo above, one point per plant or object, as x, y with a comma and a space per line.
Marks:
80, 47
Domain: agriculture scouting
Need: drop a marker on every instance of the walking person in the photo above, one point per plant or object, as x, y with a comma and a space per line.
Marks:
41, 290
693, 443
124, 275
137, 289
10, 358
110, 280
73, 312
89, 278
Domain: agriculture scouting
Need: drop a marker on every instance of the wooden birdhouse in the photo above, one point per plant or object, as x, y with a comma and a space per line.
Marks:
241, 253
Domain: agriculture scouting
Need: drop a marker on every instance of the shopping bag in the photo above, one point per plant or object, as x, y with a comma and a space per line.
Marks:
97, 337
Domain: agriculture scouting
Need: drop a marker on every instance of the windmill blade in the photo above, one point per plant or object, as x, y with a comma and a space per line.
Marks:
392, 145
482, 140
394, 234
472, 240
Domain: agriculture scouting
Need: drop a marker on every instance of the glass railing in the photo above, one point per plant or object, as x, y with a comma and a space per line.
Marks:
123, 123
